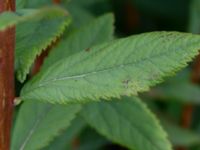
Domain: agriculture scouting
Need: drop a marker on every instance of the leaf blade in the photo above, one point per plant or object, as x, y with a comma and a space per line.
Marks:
65, 140
180, 136
34, 36
148, 58
41, 124
128, 122
68, 46
9, 19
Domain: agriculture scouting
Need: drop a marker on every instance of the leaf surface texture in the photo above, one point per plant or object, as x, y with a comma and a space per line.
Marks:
38, 124
127, 122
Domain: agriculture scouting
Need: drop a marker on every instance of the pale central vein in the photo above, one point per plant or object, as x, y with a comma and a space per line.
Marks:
31, 132
77, 76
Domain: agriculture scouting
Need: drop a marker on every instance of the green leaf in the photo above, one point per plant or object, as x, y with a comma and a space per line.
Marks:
97, 142
102, 31
174, 9
80, 16
20, 4
33, 36
127, 122
37, 124
182, 91
83, 3
35, 3
180, 136
32, 4
70, 43
77, 130
122, 67
8, 19
178, 88
194, 22
82, 11
37, 30
65, 140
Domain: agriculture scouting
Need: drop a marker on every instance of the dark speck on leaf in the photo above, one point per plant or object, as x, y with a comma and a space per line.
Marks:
87, 50
125, 83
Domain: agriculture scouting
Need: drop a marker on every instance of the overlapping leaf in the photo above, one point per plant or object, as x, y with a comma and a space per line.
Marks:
37, 30
127, 122
194, 23
37, 124
98, 142
34, 36
8, 19
95, 32
65, 140
160, 8
81, 15
122, 67
180, 136
31, 4
178, 88
183, 92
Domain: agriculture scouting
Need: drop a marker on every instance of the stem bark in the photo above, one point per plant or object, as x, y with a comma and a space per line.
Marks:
7, 45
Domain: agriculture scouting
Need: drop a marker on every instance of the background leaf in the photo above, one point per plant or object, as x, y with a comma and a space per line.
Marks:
80, 14
65, 140
37, 124
34, 36
162, 8
95, 32
194, 21
127, 122
180, 136
184, 92
97, 142
8, 19
31, 4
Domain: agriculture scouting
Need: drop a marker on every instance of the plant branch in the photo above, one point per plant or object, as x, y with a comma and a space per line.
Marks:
56, 1
7, 44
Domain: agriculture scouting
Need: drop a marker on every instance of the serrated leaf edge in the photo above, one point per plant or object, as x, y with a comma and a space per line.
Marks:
58, 132
21, 75
154, 118
94, 97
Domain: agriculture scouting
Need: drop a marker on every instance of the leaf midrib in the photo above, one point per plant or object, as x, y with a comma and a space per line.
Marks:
136, 126
100, 71
32, 130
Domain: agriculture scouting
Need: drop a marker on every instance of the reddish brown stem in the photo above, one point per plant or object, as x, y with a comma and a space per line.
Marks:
188, 109
56, 1
7, 42
187, 116
186, 120
75, 144
38, 62
132, 17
